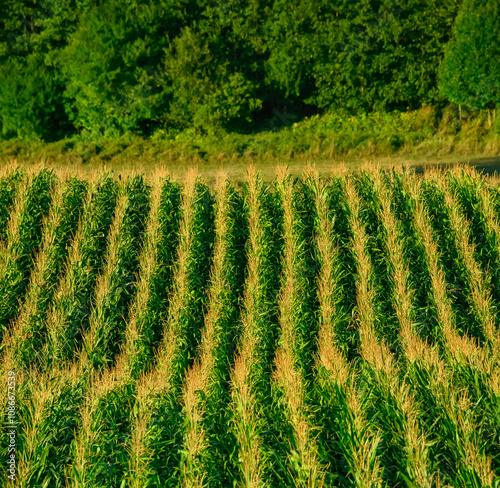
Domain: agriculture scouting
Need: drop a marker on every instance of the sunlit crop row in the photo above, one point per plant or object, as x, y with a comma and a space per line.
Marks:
321, 331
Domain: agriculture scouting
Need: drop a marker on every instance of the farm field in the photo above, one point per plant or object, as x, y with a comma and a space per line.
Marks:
312, 332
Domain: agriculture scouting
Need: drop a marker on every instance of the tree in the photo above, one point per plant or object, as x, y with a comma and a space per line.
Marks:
31, 87
114, 83
381, 55
470, 72
30, 100
213, 67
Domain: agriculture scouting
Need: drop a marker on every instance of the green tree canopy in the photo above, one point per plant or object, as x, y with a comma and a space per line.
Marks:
109, 67
112, 69
213, 67
470, 73
32, 33
380, 54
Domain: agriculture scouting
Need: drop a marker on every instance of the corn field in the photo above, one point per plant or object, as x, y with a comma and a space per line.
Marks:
315, 332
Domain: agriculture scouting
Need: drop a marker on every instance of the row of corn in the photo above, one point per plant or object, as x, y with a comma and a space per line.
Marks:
337, 331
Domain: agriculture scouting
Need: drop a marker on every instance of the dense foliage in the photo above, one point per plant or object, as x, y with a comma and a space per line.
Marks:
108, 67
471, 70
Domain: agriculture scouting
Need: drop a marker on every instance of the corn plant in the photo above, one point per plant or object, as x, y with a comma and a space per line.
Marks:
70, 311
352, 441
455, 273
391, 405
374, 349
475, 194
35, 436
461, 432
206, 443
48, 413
405, 413
97, 453
24, 237
116, 286
98, 456
30, 330
455, 344
459, 348
8, 186
297, 327
186, 308
149, 307
140, 472
338, 209
95, 449
316, 332
370, 216
251, 372
477, 282
463, 349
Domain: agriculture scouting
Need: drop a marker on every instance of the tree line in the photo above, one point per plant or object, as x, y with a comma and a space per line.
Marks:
108, 67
